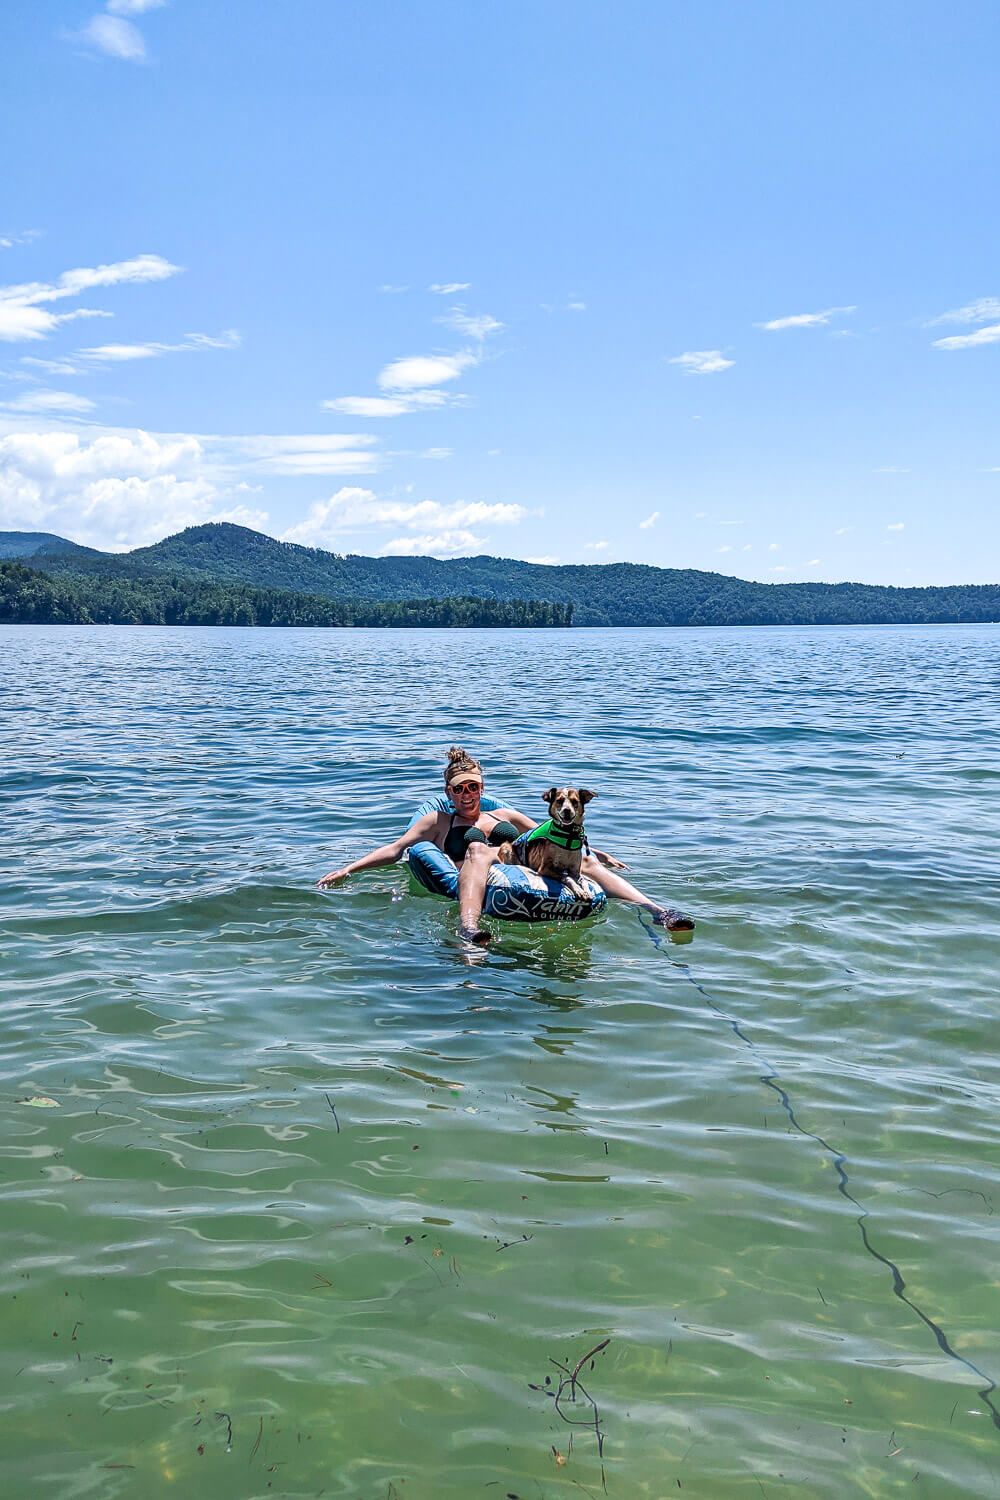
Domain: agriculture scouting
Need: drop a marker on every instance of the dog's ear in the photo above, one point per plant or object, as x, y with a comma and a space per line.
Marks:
547, 796
586, 796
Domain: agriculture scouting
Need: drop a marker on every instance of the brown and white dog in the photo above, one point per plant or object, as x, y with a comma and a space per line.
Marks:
558, 857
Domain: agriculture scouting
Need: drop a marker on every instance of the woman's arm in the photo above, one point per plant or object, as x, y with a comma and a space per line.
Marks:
386, 854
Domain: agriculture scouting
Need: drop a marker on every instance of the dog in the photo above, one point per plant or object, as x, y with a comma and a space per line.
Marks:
555, 848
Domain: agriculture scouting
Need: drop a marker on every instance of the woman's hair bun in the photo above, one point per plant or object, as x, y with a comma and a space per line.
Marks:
461, 758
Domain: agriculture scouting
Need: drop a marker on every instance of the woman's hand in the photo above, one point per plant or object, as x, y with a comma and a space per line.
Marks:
608, 860
332, 878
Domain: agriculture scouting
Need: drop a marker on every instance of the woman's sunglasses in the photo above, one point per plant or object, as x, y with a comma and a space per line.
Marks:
466, 786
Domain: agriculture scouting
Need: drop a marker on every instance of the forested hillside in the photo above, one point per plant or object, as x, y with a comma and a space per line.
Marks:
601, 594
27, 543
28, 596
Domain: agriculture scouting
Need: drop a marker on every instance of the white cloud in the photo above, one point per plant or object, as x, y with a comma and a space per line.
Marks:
650, 521
354, 509
576, 307
86, 278
421, 370
437, 453
389, 406
115, 37
301, 453
983, 310
133, 7
727, 548
81, 483
843, 530
25, 237
747, 547
390, 290
118, 353
409, 383
21, 322
449, 288
133, 512
69, 458
443, 544
813, 562
115, 489
773, 547
23, 314
477, 326
545, 562
702, 361
51, 366
896, 526
988, 335
779, 568
805, 320
596, 546
50, 401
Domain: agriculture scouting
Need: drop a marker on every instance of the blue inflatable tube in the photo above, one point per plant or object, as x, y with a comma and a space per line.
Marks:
513, 892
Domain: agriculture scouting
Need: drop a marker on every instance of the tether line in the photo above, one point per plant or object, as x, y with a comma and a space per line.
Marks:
770, 1080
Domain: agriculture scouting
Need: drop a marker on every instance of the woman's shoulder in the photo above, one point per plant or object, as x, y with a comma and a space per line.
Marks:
431, 821
511, 815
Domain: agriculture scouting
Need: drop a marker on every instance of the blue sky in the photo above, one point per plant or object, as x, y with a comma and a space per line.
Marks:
709, 286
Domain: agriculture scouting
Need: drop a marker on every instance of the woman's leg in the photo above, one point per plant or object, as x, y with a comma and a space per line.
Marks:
623, 890
472, 891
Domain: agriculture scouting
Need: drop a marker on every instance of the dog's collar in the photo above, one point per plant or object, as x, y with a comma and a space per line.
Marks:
553, 834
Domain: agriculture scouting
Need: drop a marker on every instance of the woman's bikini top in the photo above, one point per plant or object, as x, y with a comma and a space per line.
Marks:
457, 840
454, 841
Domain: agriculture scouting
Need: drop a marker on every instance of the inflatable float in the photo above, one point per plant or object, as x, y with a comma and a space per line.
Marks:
513, 892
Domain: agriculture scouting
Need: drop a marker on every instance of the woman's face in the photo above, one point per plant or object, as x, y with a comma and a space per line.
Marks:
465, 794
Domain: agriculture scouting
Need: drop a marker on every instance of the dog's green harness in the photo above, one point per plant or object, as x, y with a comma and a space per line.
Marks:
553, 834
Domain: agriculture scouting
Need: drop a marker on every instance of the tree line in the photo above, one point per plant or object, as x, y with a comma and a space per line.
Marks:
235, 557
28, 596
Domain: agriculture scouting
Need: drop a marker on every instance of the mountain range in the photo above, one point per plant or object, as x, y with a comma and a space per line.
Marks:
601, 593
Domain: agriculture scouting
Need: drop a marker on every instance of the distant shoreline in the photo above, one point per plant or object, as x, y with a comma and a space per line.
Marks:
410, 625
221, 574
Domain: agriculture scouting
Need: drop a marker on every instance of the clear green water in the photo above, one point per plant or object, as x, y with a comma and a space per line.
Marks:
765, 1167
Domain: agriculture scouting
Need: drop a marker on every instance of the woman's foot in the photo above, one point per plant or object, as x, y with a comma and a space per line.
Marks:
672, 919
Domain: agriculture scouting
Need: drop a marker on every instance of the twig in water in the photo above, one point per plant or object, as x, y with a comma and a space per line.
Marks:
253, 1450
572, 1384
581, 1362
223, 1416
522, 1241
333, 1111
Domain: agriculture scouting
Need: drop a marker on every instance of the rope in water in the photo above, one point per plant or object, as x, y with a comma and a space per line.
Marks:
770, 1080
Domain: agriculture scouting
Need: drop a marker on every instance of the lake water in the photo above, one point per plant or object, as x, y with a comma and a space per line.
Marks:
300, 1200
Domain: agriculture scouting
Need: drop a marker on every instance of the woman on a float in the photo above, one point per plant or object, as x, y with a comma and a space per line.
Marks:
471, 837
